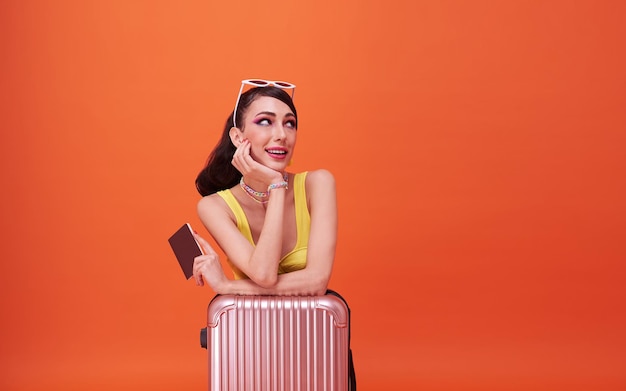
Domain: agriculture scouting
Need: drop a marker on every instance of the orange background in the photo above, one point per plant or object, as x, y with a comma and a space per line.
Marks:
478, 150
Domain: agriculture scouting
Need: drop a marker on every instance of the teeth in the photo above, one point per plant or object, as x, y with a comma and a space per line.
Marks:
276, 152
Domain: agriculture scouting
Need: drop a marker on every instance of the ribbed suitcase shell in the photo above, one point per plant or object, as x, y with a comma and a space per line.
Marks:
278, 343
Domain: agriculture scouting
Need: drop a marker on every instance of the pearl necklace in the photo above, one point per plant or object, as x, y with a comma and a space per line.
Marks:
253, 193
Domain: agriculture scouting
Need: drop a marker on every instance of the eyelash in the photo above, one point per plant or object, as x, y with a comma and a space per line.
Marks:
261, 120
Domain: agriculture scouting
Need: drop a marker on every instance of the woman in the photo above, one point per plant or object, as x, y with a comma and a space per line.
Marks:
278, 229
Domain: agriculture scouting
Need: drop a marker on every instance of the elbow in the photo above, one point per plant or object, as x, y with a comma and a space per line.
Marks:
265, 280
319, 286
320, 292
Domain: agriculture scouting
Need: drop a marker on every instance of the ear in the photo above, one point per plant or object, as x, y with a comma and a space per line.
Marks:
236, 136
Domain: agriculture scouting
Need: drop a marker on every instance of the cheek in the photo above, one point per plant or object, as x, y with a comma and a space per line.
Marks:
256, 150
293, 138
255, 138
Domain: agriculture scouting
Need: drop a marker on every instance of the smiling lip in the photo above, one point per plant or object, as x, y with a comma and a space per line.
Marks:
277, 152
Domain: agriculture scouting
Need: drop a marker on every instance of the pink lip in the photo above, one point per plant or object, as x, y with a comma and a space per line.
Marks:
275, 155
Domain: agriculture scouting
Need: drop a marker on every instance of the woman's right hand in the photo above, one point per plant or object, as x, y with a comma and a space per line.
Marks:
247, 166
207, 267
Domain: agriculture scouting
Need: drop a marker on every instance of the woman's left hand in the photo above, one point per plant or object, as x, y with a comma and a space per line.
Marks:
208, 268
248, 167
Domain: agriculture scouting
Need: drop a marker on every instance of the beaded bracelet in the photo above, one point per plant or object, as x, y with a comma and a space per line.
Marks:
278, 185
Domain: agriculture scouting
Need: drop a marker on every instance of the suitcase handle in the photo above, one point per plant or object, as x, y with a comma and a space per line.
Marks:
203, 338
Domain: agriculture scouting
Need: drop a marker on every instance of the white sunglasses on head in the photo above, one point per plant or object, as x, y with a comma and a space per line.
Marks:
262, 83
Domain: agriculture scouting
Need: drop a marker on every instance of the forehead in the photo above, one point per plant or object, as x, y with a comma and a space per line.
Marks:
268, 104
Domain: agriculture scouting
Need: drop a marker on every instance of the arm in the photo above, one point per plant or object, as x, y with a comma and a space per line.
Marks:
311, 280
259, 262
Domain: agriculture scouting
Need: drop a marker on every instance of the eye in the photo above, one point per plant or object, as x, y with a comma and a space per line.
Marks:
291, 124
263, 121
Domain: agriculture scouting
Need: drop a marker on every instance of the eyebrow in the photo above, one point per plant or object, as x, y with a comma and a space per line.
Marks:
290, 114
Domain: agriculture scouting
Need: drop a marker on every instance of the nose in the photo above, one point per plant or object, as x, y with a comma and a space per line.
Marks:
279, 132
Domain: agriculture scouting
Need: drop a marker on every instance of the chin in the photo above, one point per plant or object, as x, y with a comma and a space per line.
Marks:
278, 166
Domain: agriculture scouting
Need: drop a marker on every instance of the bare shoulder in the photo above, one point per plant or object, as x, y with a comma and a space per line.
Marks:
321, 195
320, 186
321, 177
209, 201
212, 205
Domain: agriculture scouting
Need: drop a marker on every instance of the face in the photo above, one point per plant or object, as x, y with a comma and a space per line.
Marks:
270, 125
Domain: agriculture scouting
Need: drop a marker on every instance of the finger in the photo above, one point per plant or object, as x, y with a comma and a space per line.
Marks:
247, 154
238, 150
197, 274
196, 265
206, 247
242, 149
241, 158
239, 163
195, 271
248, 161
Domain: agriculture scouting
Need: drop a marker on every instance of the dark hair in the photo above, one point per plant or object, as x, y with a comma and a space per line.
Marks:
219, 172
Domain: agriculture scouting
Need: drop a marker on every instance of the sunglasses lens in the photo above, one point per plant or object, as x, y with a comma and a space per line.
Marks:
260, 83
283, 84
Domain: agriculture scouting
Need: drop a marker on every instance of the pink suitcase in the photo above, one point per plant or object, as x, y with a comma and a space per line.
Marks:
286, 343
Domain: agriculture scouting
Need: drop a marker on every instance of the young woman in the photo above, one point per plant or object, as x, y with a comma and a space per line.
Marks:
277, 229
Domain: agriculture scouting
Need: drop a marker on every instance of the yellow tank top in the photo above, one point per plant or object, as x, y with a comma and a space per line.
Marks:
296, 258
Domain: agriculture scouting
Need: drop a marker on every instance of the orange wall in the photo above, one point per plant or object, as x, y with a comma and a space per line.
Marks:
478, 148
